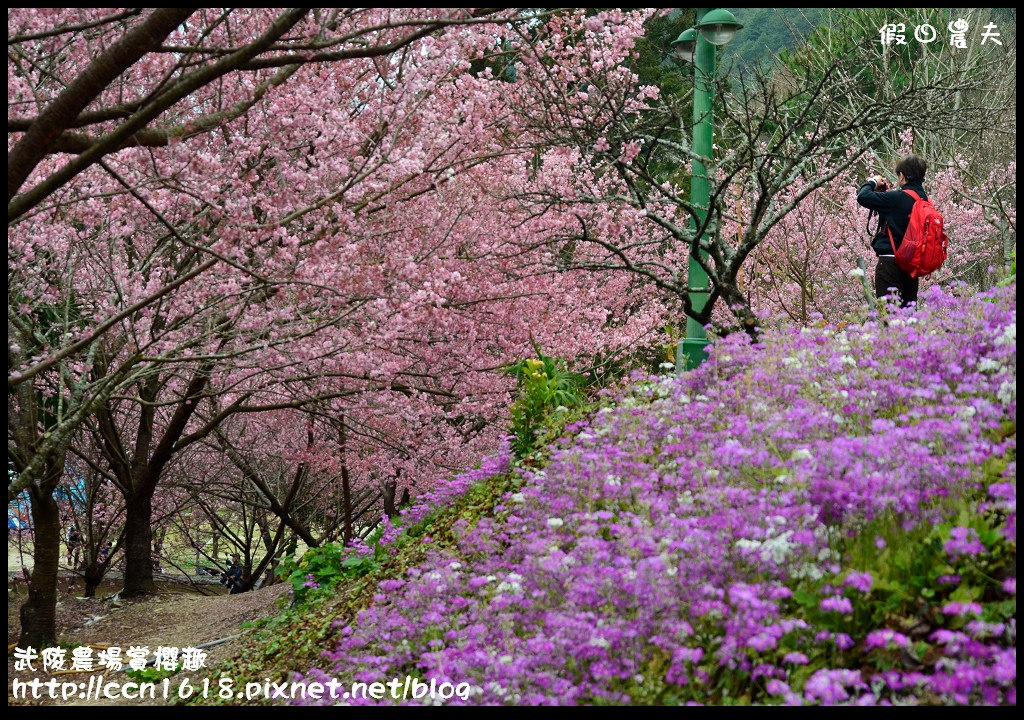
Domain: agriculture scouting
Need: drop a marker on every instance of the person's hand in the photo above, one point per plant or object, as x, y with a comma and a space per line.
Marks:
879, 180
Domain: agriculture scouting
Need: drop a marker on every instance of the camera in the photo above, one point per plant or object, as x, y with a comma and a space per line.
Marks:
881, 186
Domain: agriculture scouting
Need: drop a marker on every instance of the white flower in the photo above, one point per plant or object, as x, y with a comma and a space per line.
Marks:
1008, 336
777, 549
667, 366
555, 522
507, 587
966, 412
600, 642
989, 365
808, 571
518, 498
1006, 392
801, 454
827, 554
857, 273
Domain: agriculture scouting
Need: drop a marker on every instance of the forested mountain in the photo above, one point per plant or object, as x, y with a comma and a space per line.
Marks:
766, 31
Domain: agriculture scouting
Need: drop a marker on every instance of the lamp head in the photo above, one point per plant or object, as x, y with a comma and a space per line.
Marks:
685, 44
719, 26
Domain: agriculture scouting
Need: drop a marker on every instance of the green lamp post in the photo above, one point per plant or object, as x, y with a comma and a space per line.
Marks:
716, 27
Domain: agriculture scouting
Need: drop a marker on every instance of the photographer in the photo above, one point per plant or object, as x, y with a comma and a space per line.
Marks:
893, 208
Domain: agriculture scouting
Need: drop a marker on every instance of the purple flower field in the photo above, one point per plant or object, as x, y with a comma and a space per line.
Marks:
828, 517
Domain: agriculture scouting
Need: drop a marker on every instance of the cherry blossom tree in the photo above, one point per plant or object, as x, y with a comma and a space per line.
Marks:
268, 212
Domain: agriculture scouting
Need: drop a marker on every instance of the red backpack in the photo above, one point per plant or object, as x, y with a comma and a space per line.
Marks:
923, 249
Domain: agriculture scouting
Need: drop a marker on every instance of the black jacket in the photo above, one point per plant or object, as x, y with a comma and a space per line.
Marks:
893, 207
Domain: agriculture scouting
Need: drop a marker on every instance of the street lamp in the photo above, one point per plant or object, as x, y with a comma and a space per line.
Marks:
685, 44
717, 27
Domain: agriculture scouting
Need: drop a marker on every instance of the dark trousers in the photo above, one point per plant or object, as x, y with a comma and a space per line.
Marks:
890, 275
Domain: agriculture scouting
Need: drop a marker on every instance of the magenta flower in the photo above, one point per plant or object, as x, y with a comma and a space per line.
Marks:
961, 608
963, 541
838, 604
883, 638
859, 581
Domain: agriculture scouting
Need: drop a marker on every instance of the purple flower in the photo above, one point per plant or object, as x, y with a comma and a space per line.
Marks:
960, 608
859, 581
830, 686
963, 541
838, 604
883, 638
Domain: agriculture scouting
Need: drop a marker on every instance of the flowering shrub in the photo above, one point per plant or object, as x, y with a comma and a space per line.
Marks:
826, 517
544, 388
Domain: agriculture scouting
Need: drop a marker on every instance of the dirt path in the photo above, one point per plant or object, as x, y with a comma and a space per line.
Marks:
171, 618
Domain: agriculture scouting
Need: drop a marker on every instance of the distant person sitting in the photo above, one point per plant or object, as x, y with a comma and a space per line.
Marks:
232, 577
74, 542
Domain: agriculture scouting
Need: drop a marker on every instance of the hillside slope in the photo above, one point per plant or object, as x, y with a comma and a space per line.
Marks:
828, 517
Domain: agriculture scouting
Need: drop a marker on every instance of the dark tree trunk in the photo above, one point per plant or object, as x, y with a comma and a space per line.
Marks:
39, 613
389, 498
138, 531
741, 310
346, 489
94, 573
